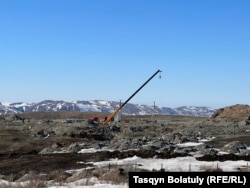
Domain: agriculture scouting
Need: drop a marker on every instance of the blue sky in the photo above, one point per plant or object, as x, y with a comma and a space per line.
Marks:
106, 49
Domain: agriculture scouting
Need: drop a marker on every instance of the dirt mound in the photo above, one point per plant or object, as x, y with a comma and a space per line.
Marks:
237, 111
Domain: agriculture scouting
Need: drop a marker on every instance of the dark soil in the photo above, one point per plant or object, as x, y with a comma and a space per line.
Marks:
25, 162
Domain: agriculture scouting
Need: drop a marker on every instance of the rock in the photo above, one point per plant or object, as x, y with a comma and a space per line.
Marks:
248, 121
47, 150
233, 147
244, 152
178, 138
75, 147
115, 128
206, 149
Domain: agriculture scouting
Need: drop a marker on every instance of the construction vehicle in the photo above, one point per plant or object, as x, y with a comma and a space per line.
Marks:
111, 117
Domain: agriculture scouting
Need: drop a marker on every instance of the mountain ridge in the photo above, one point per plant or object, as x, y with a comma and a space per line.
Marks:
102, 106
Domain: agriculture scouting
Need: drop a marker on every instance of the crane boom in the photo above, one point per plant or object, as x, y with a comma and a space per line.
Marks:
111, 116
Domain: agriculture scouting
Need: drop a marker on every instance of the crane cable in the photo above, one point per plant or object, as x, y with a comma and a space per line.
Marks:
161, 91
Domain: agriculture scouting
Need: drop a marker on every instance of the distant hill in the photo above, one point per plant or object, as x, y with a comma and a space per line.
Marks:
102, 106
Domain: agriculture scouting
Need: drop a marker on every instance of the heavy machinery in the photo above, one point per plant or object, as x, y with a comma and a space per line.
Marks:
115, 113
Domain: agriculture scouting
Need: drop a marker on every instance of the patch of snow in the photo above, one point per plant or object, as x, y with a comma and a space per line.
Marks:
90, 183
222, 153
207, 139
188, 144
93, 150
87, 107
59, 106
7, 104
106, 103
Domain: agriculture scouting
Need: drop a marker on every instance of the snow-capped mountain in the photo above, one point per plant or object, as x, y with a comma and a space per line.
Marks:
101, 106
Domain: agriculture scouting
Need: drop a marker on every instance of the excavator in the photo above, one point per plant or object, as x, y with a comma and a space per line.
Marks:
111, 117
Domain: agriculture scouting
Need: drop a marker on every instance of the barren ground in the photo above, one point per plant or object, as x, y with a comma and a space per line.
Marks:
20, 144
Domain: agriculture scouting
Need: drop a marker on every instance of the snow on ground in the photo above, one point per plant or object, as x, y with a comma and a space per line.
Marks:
188, 144
93, 150
89, 183
178, 164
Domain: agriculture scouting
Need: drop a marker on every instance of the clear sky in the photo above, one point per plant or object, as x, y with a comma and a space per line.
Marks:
106, 49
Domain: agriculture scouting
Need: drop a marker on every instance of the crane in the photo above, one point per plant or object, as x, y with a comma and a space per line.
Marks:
112, 115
